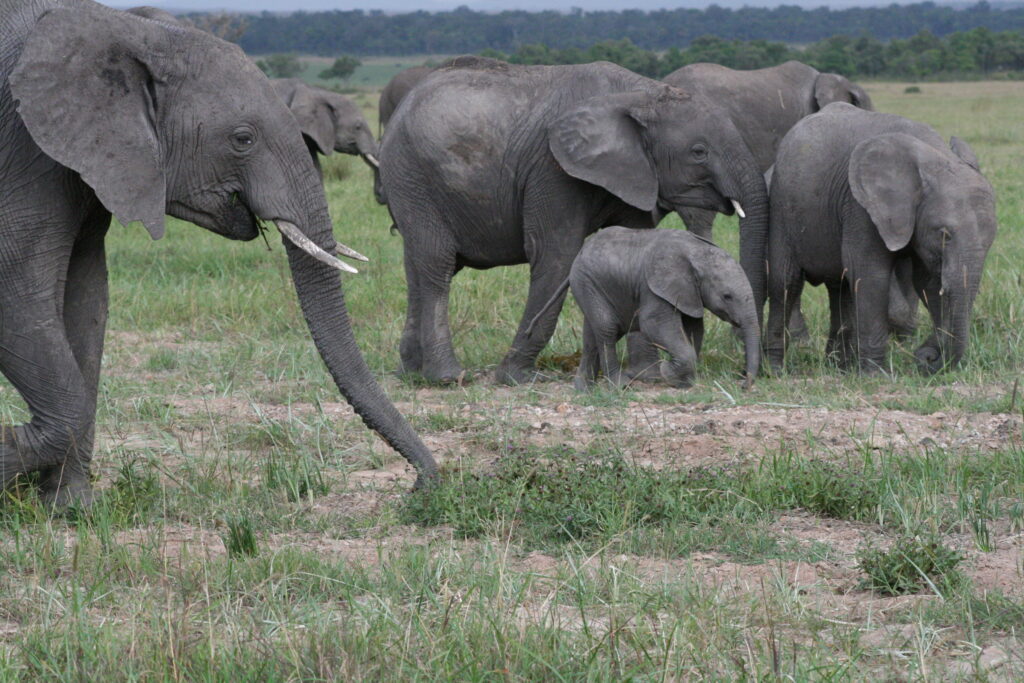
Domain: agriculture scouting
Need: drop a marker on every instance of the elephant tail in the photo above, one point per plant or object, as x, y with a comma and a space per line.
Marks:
550, 302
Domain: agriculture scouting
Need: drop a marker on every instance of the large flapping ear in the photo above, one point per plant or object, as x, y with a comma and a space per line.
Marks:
669, 274
885, 178
600, 142
87, 92
315, 116
829, 88
964, 151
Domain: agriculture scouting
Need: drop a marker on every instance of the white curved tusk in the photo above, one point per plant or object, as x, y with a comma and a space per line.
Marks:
372, 159
739, 209
292, 232
342, 250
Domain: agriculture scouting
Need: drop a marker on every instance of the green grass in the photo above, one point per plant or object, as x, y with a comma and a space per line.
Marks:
248, 527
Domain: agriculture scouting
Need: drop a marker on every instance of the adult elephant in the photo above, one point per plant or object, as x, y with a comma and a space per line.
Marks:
330, 122
856, 193
491, 164
396, 90
764, 104
103, 112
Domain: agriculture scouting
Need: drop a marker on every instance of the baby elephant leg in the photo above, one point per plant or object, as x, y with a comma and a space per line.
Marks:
643, 358
662, 323
586, 373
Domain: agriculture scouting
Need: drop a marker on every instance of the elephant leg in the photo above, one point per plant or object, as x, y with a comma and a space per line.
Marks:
839, 347
698, 221
694, 328
796, 328
662, 323
785, 285
432, 264
37, 358
929, 354
643, 358
902, 300
550, 256
85, 321
586, 373
409, 350
869, 274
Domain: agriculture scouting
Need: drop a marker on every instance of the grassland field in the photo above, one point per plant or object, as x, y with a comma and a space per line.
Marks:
822, 526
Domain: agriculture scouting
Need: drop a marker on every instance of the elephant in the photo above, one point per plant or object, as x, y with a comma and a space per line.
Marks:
330, 122
490, 164
859, 195
658, 283
103, 113
764, 104
396, 90
158, 14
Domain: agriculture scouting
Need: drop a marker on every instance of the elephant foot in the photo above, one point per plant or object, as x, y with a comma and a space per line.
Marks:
72, 495
679, 380
872, 366
929, 359
650, 373
513, 375
582, 384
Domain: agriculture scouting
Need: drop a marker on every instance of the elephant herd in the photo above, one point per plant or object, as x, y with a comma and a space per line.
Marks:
481, 164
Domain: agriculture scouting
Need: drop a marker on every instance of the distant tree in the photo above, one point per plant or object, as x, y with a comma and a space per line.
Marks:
281, 65
230, 27
342, 68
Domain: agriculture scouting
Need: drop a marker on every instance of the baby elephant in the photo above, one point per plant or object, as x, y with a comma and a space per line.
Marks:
658, 282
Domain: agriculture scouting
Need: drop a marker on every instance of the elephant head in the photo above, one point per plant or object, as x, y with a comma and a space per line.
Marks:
668, 150
829, 88
161, 119
329, 121
692, 274
939, 205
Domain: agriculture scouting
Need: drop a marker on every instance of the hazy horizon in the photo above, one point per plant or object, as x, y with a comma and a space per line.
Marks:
397, 6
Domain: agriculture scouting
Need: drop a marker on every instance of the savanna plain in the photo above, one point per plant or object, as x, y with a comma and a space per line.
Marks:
821, 526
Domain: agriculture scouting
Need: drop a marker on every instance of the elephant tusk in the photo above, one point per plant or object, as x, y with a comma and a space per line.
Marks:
342, 250
739, 209
372, 159
295, 236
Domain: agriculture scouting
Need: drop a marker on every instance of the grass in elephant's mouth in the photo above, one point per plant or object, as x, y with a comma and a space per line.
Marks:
645, 533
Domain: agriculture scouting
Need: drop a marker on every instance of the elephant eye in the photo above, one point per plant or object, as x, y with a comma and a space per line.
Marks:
699, 151
243, 140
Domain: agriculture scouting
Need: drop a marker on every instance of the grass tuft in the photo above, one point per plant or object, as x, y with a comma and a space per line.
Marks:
910, 565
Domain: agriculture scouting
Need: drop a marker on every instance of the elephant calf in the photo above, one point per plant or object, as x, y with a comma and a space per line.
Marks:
658, 282
862, 200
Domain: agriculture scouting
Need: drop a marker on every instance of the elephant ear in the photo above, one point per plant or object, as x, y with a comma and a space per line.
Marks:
670, 275
829, 88
315, 116
599, 141
964, 151
885, 179
87, 92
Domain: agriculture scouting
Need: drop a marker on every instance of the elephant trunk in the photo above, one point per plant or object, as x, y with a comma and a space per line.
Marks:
751, 333
368, 149
746, 183
320, 296
960, 285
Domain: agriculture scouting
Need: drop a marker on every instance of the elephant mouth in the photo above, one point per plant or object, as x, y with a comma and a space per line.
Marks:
706, 197
232, 218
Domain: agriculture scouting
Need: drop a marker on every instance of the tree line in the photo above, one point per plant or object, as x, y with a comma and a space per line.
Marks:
964, 54
463, 30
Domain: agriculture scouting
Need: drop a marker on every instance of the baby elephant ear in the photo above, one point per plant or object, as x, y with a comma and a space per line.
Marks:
669, 274
885, 179
964, 151
89, 100
315, 116
598, 141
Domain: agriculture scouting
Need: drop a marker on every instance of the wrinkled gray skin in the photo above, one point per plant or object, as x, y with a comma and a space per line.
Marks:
498, 164
330, 122
103, 112
764, 104
157, 14
857, 194
658, 283
396, 90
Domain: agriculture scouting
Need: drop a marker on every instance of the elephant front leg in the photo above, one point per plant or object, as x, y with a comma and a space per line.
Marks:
870, 289
85, 319
662, 323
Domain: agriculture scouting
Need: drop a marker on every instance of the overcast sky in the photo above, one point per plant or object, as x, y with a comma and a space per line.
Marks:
485, 5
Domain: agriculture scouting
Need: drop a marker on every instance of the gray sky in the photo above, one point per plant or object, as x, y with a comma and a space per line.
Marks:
484, 5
